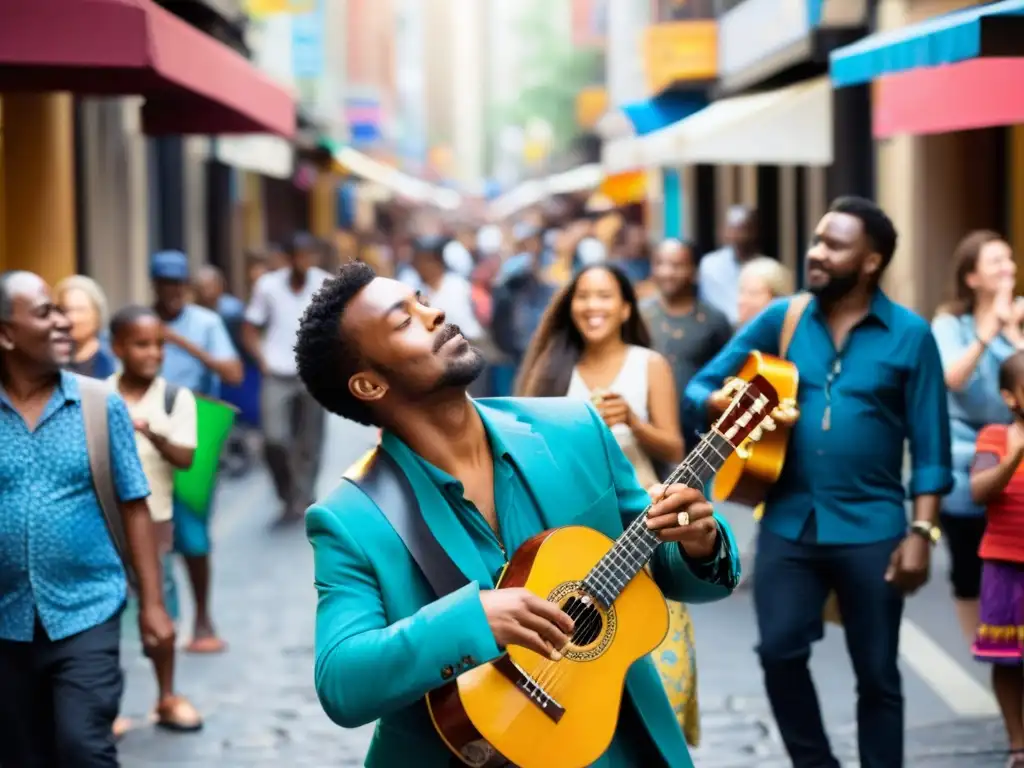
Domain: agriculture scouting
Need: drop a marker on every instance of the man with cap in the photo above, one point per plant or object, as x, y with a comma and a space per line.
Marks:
199, 356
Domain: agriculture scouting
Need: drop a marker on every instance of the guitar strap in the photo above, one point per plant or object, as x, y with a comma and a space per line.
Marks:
794, 311
380, 478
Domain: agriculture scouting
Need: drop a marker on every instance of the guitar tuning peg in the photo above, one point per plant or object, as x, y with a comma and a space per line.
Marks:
768, 425
756, 434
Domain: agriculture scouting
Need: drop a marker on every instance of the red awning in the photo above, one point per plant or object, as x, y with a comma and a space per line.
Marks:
981, 93
192, 82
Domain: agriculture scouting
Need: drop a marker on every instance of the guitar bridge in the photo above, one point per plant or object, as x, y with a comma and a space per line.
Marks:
530, 688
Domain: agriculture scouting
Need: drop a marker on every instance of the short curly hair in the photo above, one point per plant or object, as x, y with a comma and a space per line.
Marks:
326, 360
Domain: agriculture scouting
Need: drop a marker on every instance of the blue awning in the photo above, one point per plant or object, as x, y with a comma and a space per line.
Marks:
664, 109
948, 39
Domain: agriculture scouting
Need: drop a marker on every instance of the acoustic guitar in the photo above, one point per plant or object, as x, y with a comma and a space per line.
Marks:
528, 711
748, 474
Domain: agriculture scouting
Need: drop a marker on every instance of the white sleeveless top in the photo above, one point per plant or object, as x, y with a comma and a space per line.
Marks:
631, 384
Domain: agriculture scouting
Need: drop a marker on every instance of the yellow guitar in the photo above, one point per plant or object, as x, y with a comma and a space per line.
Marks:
747, 474
528, 711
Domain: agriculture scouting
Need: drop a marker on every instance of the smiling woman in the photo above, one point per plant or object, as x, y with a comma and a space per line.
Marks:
84, 303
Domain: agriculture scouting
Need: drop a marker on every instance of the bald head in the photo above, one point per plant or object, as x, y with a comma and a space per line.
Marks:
670, 247
741, 230
13, 284
209, 285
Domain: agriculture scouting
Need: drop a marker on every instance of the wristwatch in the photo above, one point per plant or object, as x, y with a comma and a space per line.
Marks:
929, 531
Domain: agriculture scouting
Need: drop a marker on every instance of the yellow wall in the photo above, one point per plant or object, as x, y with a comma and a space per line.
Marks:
37, 223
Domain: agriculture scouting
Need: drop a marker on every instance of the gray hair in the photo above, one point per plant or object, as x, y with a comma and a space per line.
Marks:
772, 273
92, 291
6, 295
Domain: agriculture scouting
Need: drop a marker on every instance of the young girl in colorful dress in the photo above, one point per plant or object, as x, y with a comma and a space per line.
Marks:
997, 481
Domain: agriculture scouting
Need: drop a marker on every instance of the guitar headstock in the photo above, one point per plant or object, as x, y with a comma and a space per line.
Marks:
749, 412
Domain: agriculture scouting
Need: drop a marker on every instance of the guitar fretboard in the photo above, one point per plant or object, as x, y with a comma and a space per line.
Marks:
637, 544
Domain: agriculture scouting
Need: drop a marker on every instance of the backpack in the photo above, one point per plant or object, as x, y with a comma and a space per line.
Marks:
95, 393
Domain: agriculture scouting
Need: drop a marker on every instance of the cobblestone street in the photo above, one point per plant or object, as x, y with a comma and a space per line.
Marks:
261, 710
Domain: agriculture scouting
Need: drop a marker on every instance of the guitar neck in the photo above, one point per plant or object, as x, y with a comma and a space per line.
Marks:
637, 544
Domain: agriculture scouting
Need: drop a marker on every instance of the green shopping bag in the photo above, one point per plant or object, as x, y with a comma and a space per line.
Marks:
194, 486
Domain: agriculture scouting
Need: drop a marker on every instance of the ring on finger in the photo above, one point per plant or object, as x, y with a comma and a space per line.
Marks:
683, 518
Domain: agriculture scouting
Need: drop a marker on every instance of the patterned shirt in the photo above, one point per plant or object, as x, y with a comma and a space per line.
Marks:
57, 560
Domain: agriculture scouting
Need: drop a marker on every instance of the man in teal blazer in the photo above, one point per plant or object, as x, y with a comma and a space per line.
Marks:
487, 475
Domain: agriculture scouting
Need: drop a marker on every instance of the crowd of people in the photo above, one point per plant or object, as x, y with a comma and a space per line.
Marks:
570, 304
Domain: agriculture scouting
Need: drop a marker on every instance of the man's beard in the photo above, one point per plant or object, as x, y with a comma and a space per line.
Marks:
836, 288
462, 372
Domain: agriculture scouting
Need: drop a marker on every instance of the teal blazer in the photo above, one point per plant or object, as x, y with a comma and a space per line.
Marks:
383, 640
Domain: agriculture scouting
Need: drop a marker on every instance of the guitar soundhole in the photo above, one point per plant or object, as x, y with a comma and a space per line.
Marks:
594, 626
589, 622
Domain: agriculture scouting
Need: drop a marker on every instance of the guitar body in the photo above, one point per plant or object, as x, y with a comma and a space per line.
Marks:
748, 474
531, 712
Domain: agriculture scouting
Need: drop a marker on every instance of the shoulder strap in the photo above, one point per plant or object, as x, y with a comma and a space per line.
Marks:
794, 311
95, 394
170, 395
380, 478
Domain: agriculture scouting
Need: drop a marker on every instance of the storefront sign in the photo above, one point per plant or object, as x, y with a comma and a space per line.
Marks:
591, 104
680, 51
756, 30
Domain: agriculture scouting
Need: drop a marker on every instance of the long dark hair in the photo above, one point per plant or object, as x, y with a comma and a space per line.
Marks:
965, 261
557, 344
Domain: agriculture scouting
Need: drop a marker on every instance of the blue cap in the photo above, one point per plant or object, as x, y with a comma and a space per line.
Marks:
169, 265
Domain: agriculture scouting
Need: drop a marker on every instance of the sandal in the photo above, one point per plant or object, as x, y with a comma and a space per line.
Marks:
206, 645
176, 713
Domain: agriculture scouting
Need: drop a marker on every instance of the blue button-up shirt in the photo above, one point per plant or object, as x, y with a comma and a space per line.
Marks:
204, 328
889, 388
57, 559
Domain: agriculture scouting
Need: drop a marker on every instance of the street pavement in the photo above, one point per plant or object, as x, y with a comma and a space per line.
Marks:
261, 709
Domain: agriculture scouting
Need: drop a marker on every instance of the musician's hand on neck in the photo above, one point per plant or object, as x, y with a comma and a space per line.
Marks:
683, 515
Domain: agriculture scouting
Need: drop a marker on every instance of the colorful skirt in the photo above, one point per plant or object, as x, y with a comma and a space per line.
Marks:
1000, 637
676, 660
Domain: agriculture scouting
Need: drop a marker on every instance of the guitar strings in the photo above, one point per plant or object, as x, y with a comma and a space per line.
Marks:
548, 675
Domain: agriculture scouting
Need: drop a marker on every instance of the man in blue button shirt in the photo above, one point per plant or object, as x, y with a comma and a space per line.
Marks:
870, 378
62, 583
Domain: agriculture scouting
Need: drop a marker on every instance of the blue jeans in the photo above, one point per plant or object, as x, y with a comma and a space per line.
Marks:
792, 581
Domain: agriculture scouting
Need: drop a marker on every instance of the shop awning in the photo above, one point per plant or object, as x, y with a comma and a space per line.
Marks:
664, 109
192, 83
788, 126
393, 180
993, 30
651, 119
960, 97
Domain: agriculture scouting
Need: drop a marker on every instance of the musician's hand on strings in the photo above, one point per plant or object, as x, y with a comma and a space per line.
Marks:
516, 616
683, 515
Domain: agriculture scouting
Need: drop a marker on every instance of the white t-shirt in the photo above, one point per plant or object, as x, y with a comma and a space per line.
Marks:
179, 427
277, 309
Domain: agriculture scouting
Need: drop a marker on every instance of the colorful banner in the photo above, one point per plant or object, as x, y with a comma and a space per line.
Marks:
308, 43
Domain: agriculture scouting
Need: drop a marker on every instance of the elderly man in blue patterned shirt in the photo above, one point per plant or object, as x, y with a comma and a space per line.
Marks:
62, 583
